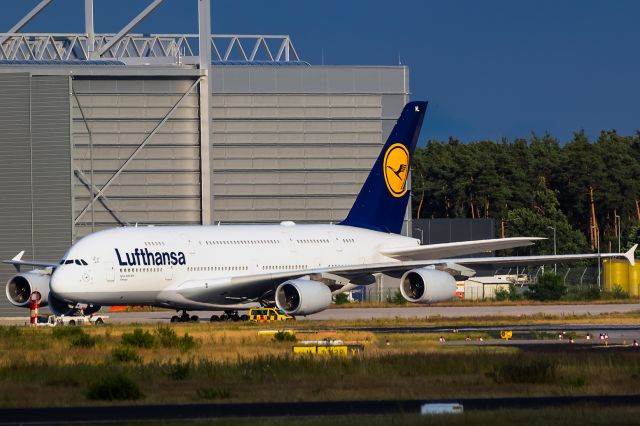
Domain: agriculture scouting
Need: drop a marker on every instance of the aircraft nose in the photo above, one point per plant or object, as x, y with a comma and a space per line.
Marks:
61, 283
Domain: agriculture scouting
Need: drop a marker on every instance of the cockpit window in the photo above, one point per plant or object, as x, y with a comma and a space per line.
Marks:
68, 261
78, 262
83, 262
62, 262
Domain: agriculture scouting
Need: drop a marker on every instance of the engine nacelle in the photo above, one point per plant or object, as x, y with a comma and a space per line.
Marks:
303, 297
20, 286
425, 285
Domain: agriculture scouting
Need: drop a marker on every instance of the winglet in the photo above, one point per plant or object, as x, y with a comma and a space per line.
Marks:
18, 257
630, 255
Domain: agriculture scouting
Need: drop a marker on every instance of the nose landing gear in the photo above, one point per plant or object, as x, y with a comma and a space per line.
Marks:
185, 317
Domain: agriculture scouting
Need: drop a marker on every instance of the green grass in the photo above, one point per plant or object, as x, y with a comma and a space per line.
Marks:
233, 363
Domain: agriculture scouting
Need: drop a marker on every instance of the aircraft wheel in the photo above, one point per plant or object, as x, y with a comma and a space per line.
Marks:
72, 322
99, 321
194, 318
224, 317
215, 318
244, 318
175, 318
235, 318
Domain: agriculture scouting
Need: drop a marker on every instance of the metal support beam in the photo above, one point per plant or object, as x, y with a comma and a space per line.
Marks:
127, 28
27, 18
102, 199
88, 29
137, 150
204, 35
88, 182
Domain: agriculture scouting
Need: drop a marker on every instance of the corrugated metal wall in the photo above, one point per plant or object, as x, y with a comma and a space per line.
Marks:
35, 171
297, 143
162, 183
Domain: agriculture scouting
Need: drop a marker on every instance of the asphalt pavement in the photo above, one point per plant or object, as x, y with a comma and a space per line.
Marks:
407, 312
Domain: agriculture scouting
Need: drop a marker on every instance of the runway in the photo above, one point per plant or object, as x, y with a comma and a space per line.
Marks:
394, 312
139, 413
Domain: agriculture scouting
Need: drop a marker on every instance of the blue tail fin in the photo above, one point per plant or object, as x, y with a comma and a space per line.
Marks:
382, 201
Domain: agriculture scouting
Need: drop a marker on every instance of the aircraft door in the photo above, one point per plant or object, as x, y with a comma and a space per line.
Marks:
111, 272
336, 241
168, 272
287, 239
189, 243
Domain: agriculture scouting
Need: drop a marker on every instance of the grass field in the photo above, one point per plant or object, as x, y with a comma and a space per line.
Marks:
230, 362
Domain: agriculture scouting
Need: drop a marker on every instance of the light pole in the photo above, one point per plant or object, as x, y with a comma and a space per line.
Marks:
617, 217
421, 235
555, 250
598, 243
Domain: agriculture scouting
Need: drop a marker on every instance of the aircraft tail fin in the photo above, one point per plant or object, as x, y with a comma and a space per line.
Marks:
382, 201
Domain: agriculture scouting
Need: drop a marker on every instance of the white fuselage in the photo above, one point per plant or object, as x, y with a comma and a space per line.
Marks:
134, 265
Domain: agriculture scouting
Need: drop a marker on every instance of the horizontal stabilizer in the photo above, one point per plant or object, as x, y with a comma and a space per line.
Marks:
462, 248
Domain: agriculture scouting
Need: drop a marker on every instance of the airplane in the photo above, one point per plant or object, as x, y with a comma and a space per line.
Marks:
295, 267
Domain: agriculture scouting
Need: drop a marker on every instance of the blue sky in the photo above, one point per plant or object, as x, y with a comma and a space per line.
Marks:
490, 69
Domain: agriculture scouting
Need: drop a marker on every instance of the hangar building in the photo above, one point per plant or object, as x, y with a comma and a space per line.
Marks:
102, 130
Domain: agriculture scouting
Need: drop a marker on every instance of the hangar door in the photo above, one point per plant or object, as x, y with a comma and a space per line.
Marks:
35, 171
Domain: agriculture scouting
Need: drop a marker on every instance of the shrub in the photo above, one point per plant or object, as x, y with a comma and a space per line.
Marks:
576, 381
178, 370
139, 338
397, 298
84, 340
67, 331
284, 336
114, 387
125, 354
169, 339
522, 370
589, 292
186, 343
212, 393
167, 336
508, 294
618, 293
549, 287
11, 331
502, 294
341, 299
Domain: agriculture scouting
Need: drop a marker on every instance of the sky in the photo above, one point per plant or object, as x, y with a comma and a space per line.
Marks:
490, 69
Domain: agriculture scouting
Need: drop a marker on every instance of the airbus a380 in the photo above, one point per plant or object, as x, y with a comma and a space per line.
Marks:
295, 267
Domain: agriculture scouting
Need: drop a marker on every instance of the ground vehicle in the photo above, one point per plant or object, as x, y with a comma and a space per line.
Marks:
56, 321
268, 314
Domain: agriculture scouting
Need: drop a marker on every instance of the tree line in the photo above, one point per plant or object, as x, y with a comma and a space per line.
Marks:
588, 191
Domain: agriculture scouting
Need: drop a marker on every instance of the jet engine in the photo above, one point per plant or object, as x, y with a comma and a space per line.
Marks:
425, 285
303, 297
20, 286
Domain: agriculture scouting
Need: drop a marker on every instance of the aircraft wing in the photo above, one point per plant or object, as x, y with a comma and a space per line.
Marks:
17, 262
439, 251
251, 288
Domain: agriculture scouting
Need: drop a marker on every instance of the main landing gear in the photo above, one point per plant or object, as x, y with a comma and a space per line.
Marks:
229, 315
184, 317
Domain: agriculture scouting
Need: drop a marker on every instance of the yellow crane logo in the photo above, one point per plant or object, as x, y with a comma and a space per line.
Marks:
396, 169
